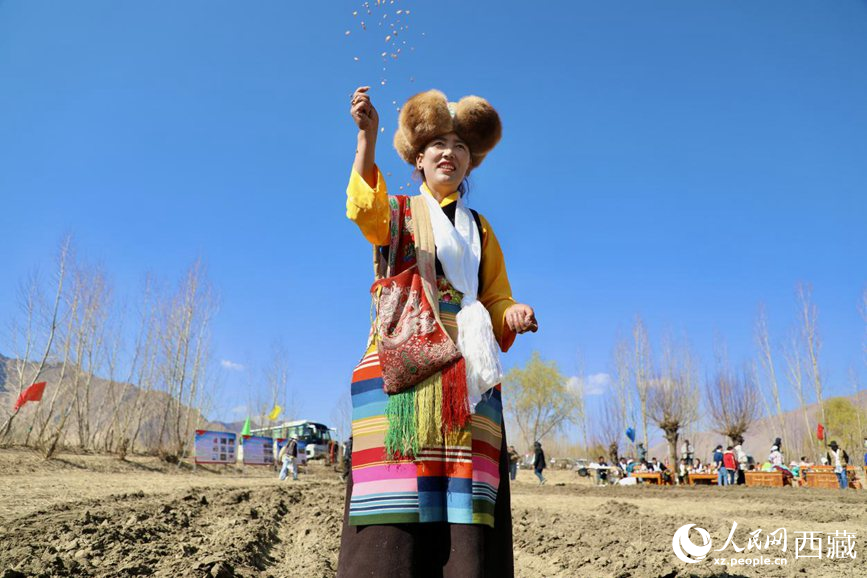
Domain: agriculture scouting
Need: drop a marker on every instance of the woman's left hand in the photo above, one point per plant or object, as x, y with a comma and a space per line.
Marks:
521, 318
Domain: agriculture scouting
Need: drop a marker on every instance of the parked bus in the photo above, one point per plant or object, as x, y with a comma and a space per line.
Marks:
314, 439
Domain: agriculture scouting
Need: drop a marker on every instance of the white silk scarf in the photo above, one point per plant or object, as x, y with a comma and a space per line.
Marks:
459, 250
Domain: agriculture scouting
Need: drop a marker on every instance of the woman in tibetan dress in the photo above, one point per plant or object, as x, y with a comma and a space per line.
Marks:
428, 493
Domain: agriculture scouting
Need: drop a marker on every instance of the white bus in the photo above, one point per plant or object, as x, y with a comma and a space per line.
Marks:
314, 439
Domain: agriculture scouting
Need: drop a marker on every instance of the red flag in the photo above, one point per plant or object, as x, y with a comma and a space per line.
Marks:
820, 432
32, 393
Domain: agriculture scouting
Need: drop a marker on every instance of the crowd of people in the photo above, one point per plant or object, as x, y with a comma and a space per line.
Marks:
728, 463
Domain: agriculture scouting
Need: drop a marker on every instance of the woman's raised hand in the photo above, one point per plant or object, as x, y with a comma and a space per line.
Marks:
363, 112
367, 119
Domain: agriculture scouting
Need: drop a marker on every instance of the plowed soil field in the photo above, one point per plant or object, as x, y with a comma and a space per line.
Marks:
96, 516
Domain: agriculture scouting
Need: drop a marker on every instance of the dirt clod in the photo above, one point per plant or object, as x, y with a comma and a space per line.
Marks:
222, 570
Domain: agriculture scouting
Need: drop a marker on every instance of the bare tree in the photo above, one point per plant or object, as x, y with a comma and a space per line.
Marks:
621, 386
766, 359
25, 378
864, 316
579, 388
611, 425
643, 367
122, 397
733, 403
341, 416
673, 405
45, 415
96, 298
686, 367
795, 371
863, 308
755, 377
673, 397
856, 388
31, 301
87, 335
257, 403
109, 413
183, 356
277, 381
137, 402
809, 334
194, 402
273, 390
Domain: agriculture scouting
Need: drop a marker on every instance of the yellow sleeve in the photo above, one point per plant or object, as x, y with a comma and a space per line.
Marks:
368, 207
495, 292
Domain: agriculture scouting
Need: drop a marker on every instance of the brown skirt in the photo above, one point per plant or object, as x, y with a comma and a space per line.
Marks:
433, 550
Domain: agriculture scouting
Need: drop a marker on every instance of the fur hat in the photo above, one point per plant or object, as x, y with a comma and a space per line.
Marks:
428, 115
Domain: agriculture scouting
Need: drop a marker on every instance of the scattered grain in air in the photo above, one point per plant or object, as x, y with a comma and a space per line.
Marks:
347, 33
382, 129
388, 38
383, 54
355, 58
382, 83
407, 11
355, 12
399, 12
363, 27
387, 174
384, 16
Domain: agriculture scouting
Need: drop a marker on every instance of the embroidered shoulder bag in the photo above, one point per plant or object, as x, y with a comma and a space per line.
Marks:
411, 341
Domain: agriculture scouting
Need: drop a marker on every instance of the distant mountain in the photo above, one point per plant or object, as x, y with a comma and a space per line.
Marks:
235, 426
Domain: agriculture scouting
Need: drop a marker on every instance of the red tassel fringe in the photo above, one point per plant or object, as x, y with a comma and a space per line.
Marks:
456, 403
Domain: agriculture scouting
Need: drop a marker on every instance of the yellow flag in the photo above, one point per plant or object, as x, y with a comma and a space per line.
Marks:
275, 412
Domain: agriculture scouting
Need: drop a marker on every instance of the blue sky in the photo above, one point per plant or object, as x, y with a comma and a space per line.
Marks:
680, 160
